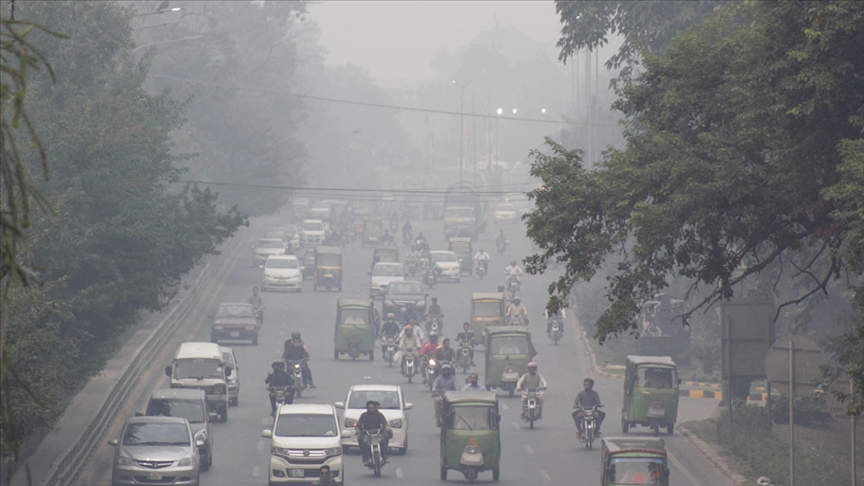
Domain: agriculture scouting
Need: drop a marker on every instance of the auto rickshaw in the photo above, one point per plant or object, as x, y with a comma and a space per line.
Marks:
487, 308
508, 352
373, 229
650, 393
631, 460
385, 253
328, 267
465, 252
355, 332
470, 436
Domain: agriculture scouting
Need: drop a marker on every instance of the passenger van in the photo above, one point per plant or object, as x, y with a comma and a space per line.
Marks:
192, 406
201, 366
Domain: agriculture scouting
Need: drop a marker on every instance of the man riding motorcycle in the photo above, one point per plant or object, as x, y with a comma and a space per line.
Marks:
444, 382
390, 329
279, 378
585, 399
550, 319
435, 309
466, 335
514, 270
296, 350
501, 240
532, 380
427, 351
372, 419
406, 342
481, 256
407, 231
257, 304
517, 311
445, 354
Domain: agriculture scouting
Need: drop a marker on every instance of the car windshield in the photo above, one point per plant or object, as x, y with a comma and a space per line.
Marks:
632, 470
648, 377
508, 345
389, 400
444, 257
235, 311
355, 317
313, 226
282, 263
305, 425
199, 368
471, 418
404, 288
156, 434
459, 213
388, 271
191, 410
327, 260
271, 243
487, 309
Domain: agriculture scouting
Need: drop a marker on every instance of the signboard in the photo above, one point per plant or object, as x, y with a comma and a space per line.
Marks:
806, 360
748, 332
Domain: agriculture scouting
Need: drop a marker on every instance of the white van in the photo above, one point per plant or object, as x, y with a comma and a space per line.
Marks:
304, 438
312, 232
201, 366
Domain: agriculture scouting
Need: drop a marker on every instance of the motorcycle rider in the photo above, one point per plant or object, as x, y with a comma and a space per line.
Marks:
550, 319
427, 351
418, 330
279, 378
390, 329
481, 256
467, 335
530, 380
406, 342
407, 231
500, 239
324, 477
372, 419
387, 237
435, 309
585, 399
296, 350
257, 303
445, 354
471, 383
514, 270
517, 310
444, 382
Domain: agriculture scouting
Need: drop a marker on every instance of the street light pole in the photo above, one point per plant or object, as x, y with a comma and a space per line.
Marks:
461, 131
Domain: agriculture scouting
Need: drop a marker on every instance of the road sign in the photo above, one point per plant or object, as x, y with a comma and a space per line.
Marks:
806, 359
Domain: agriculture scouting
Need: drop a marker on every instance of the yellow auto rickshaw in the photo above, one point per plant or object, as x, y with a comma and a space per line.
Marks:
487, 309
373, 229
355, 331
328, 267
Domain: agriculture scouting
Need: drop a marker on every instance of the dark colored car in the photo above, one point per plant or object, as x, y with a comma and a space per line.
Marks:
234, 321
408, 294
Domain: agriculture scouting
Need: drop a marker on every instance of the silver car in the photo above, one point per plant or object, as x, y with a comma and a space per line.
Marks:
156, 450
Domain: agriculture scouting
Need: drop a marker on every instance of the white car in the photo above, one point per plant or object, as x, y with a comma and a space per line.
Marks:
393, 407
382, 274
283, 272
506, 213
448, 262
265, 248
312, 232
305, 437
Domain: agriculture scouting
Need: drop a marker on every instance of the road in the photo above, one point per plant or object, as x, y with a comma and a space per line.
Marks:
549, 454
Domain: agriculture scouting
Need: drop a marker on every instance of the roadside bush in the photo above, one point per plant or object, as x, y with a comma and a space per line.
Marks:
809, 411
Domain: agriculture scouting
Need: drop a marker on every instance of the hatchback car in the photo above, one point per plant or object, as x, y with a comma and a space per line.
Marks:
382, 275
283, 272
233, 377
448, 262
393, 407
234, 321
156, 450
266, 247
505, 213
189, 404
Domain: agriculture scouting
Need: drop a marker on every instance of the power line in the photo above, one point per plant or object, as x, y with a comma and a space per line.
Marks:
373, 105
345, 190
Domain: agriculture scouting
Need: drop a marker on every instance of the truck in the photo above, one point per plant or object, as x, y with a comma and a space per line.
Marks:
464, 211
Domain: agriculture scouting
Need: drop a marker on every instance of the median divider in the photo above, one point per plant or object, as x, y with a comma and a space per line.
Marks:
64, 468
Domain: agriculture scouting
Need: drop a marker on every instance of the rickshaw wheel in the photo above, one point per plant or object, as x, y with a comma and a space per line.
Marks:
496, 474
443, 473
670, 429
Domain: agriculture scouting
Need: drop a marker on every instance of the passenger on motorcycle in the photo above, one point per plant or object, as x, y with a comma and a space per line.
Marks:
406, 342
588, 398
390, 329
466, 335
471, 383
279, 378
560, 316
532, 380
257, 303
418, 330
407, 230
517, 311
295, 350
372, 419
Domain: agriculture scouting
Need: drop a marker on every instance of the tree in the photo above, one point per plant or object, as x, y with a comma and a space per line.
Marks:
734, 137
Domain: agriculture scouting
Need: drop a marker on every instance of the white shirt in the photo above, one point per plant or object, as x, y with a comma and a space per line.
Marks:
511, 270
481, 256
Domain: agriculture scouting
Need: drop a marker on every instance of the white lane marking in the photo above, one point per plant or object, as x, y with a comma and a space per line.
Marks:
515, 425
261, 445
256, 471
683, 470
529, 449
504, 406
399, 473
545, 475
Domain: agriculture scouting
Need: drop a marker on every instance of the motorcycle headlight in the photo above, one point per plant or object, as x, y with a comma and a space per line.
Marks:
350, 424
186, 461
395, 423
333, 451
124, 461
433, 363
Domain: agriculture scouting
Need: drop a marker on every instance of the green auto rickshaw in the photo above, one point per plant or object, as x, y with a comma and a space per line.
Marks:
487, 309
650, 393
465, 252
470, 437
373, 230
631, 460
328, 267
355, 331
508, 352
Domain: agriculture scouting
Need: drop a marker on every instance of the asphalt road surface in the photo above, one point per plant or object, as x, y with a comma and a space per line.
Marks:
549, 454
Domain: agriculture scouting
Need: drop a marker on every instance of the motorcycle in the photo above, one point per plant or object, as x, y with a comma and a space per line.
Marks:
435, 323
464, 355
531, 409
430, 277
513, 285
389, 343
482, 268
501, 244
376, 458
259, 316
517, 320
409, 364
588, 433
429, 371
555, 332
283, 395
296, 370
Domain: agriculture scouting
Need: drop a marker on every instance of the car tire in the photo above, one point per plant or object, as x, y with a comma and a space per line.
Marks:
405, 447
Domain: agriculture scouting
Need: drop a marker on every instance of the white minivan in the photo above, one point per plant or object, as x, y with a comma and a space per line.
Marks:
305, 437
312, 232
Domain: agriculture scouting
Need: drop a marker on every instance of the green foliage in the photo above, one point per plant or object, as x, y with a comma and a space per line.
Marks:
809, 411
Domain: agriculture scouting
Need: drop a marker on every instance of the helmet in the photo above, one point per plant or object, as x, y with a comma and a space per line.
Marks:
295, 336
517, 299
532, 365
276, 364
446, 367
391, 316
433, 335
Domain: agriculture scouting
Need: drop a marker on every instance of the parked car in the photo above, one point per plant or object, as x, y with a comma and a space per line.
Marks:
393, 407
191, 405
156, 450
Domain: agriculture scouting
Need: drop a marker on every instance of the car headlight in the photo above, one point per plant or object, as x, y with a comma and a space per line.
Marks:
186, 461
395, 423
279, 451
124, 461
218, 328
218, 389
350, 423
333, 451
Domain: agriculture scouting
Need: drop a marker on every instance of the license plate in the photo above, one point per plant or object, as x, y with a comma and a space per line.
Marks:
656, 411
235, 334
154, 476
296, 473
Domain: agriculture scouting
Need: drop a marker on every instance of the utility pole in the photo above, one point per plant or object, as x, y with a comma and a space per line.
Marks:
474, 136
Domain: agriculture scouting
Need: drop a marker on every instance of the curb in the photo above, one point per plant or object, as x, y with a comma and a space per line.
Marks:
712, 455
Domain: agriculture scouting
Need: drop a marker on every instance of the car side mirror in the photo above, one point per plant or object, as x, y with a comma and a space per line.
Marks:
339, 405
346, 434
113, 442
213, 416
409, 406
267, 433
139, 414
199, 444
168, 370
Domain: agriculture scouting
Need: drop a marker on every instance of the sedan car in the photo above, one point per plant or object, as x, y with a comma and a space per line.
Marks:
393, 407
282, 272
383, 274
448, 262
506, 213
156, 450
266, 247
234, 321
404, 294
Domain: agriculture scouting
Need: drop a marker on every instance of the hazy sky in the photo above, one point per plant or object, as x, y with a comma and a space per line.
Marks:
396, 40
